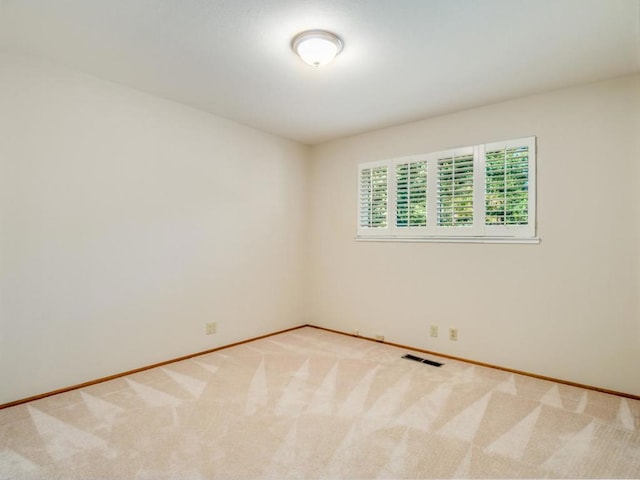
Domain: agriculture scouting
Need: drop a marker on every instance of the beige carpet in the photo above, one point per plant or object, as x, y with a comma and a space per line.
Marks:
313, 404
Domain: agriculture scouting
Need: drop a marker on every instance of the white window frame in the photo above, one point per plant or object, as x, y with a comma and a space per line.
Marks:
477, 232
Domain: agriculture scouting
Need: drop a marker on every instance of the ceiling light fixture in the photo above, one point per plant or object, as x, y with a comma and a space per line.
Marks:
317, 47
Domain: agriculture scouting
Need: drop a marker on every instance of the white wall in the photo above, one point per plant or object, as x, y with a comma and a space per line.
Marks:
567, 308
127, 222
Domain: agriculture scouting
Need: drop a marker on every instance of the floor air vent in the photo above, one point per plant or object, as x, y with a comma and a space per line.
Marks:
422, 360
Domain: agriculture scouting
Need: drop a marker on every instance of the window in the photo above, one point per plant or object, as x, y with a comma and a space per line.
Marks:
480, 193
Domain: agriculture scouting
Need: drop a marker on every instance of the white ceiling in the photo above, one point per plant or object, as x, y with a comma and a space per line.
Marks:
403, 59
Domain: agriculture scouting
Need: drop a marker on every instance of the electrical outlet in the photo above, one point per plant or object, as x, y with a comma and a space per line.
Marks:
356, 332
453, 334
434, 330
211, 328
380, 338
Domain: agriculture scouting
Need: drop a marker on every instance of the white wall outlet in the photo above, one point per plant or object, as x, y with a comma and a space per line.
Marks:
433, 330
211, 327
453, 334
356, 332
380, 338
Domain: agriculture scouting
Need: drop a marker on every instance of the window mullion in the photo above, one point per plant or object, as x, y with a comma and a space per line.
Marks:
432, 194
392, 201
532, 172
478, 190
505, 199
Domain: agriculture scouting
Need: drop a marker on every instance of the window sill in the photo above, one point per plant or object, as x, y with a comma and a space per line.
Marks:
382, 238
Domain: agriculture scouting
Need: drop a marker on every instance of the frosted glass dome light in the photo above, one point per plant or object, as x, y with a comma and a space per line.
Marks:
317, 47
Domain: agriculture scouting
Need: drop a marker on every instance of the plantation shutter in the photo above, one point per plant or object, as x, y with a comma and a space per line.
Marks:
508, 193
411, 194
507, 186
455, 190
373, 192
